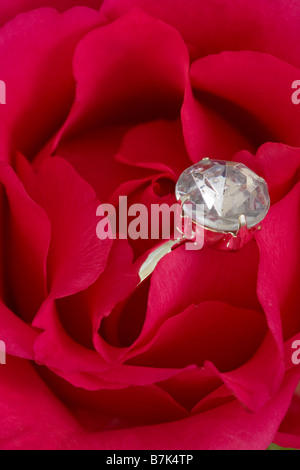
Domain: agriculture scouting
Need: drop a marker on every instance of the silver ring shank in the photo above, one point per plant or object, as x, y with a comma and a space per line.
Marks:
156, 255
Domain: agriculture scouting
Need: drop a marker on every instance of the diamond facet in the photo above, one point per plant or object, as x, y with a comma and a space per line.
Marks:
226, 190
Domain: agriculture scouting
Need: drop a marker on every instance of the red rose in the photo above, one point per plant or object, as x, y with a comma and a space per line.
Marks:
118, 98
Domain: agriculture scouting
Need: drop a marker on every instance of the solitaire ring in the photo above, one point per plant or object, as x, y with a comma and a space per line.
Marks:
224, 201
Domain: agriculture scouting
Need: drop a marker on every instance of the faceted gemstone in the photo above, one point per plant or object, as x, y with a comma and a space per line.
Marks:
223, 191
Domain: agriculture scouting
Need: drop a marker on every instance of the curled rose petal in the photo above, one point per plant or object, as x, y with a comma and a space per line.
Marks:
17, 335
76, 256
26, 242
171, 349
256, 83
208, 131
154, 73
185, 282
261, 26
257, 380
98, 147
157, 145
36, 56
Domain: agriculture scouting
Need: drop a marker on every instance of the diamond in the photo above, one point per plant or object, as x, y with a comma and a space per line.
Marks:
225, 190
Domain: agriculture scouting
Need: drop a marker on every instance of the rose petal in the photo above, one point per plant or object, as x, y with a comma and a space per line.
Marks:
208, 131
202, 340
189, 387
258, 84
60, 351
33, 418
211, 27
36, 65
226, 427
93, 156
289, 431
154, 72
55, 349
279, 273
76, 256
278, 164
288, 435
191, 277
157, 145
83, 367
115, 409
17, 335
10, 9
26, 238
257, 380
